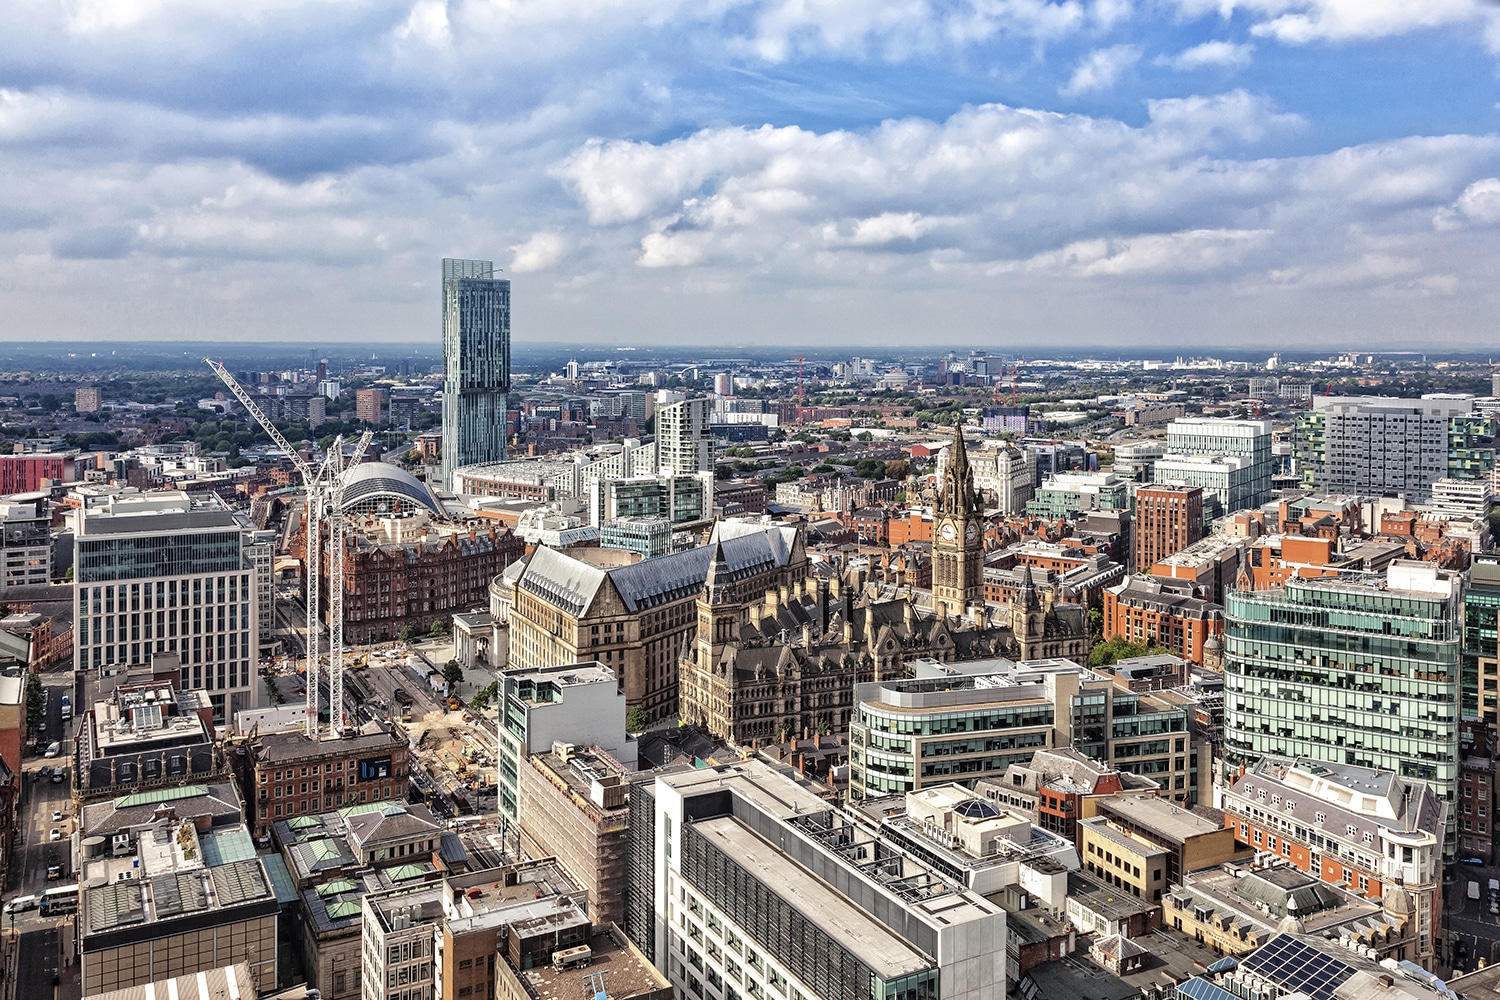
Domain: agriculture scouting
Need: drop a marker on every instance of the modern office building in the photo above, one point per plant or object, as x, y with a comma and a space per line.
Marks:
163, 574
25, 541
1168, 518
1231, 459
681, 499
1480, 684
1373, 446
1068, 494
1229, 482
753, 886
476, 364
574, 704
1363, 672
647, 537
1136, 462
971, 721
684, 445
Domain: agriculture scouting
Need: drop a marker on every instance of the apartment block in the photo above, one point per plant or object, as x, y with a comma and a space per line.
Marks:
25, 541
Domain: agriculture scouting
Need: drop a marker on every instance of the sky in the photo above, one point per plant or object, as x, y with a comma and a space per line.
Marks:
1010, 174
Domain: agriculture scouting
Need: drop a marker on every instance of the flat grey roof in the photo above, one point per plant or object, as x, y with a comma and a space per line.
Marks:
884, 953
1159, 816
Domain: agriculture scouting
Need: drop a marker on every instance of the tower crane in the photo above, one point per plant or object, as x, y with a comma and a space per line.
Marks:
323, 488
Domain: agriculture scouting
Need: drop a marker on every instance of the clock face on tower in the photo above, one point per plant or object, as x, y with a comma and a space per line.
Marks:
972, 532
948, 532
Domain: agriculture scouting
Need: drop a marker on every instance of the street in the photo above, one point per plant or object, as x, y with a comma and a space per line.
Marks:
1469, 920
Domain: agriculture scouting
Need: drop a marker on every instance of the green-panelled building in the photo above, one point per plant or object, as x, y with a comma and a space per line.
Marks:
1481, 675
1352, 671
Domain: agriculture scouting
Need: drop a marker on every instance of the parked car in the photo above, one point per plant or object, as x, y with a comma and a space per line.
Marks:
57, 815
55, 835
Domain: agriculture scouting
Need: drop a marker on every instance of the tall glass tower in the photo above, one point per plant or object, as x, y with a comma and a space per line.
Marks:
1350, 671
476, 364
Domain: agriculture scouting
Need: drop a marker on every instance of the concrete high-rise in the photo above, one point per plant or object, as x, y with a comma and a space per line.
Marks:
476, 364
1373, 445
683, 443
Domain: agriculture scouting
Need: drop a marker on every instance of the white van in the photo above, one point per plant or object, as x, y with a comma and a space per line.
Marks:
19, 904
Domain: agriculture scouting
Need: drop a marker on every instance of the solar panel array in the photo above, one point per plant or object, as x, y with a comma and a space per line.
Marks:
1295, 966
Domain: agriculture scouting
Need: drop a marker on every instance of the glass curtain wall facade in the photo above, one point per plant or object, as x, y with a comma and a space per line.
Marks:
1348, 672
476, 364
1481, 661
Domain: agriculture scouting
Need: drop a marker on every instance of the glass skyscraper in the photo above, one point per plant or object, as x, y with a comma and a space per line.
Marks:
1351, 671
476, 364
1481, 673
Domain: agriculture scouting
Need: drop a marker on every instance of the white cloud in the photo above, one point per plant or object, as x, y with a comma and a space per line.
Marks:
1227, 55
1191, 251
1478, 205
1101, 69
1299, 22
539, 253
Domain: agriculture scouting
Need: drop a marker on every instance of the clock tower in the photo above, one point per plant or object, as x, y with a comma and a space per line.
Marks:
957, 535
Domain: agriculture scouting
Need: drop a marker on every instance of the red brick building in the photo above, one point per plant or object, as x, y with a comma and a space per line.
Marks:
1162, 612
389, 585
1168, 518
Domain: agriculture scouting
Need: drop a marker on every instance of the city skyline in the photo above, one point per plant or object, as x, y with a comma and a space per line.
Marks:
1072, 173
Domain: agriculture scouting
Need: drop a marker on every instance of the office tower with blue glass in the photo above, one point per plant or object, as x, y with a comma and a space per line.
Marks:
476, 364
1359, 670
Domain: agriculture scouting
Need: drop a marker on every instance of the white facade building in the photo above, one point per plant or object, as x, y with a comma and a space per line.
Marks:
25, 541
165, 573
683, 443
762, 890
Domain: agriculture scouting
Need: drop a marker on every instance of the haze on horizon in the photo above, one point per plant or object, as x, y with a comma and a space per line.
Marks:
858, 173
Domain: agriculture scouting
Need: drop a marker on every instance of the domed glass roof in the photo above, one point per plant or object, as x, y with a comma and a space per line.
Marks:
372, 485
976, 809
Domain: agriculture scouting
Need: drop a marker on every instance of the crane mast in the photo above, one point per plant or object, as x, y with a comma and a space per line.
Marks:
323, 488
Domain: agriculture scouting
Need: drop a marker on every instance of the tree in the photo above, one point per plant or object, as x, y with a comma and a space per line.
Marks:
438, 629
1096, 623
408, 633
635, 719
897, 468
1121, 648
484, 696
453, 675
33, 700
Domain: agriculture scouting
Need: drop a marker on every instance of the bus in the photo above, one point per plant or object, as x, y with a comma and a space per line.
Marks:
60, 901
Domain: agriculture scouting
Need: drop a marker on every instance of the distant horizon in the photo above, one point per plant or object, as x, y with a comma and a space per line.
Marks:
642, 351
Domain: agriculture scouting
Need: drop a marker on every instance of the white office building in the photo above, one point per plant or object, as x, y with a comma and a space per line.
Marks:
761, 889
162, 574
1213, 437
1231, 480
